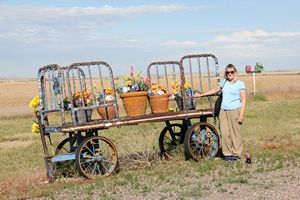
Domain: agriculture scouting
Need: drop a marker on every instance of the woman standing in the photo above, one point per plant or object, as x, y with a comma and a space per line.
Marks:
231, 114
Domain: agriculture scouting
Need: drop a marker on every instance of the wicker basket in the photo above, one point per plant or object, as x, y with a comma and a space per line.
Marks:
135, 103
107, 112
159, 103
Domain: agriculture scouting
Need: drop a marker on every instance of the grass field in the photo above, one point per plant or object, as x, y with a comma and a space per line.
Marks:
271, 129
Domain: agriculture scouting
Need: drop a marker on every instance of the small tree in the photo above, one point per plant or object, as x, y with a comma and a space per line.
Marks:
259, 67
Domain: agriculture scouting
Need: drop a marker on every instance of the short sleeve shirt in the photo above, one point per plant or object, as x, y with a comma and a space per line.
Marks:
231, 94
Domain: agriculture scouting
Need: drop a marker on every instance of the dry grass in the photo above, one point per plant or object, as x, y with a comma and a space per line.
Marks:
21, 184
275, 86
15, 144
274, 144
15, 95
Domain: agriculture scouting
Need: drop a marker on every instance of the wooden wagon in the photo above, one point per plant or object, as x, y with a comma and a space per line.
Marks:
96, 155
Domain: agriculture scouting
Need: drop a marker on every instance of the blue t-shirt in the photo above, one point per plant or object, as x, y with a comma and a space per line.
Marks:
231, 94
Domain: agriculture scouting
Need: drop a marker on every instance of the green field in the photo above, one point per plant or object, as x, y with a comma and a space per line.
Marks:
271, 129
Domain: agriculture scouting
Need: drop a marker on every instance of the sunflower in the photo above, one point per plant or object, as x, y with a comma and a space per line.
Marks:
187, 85
109, 91
34, 102
35, 128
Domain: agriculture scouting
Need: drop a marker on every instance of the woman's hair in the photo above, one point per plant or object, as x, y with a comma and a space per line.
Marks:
232, 67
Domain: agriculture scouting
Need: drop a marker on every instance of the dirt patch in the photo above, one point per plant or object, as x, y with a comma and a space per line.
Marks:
15, 144
22, 184
270, 145
279, 184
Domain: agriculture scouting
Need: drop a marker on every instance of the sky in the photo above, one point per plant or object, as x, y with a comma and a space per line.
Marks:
124, 33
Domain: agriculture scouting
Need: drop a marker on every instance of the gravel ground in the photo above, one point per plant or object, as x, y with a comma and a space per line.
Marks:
279, 184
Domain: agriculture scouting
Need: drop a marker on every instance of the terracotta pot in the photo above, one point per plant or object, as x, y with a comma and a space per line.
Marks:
135, 103
159, 103
107, 112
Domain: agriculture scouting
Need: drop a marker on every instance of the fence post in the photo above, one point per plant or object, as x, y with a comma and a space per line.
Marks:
254, 86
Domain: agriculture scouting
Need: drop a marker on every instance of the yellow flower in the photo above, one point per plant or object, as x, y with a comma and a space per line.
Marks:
175, 87
34, 102
154, 87
35, 128
175, 91
164, 89
108, 91
128, 83
170, 109
187, 85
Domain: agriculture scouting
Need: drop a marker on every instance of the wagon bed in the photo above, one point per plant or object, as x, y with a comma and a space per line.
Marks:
148, 118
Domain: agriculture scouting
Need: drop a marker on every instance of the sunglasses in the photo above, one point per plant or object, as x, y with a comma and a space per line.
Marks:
230, 72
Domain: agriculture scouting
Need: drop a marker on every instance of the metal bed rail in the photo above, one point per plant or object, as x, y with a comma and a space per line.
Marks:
50, 91
202, 72
92, 77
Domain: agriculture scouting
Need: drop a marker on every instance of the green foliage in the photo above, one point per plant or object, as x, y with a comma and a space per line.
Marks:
132, 83
259, 97
191, 192
66, 169
259, 67
16, 128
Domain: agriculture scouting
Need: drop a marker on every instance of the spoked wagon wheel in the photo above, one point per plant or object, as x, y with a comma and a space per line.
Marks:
96, 156
66, 146
201, 141
169, 139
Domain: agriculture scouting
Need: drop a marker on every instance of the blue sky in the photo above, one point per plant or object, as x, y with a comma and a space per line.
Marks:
124, 33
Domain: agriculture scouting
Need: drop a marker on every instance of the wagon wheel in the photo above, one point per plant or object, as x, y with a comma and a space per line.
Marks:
169, 138
201, 141
66, 146
96, 156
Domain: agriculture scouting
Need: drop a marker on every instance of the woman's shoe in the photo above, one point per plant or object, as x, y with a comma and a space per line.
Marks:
235, 158
227, 158
231, 158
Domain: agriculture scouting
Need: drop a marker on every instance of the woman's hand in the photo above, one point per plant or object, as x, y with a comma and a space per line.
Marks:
208, 93
240, 120
198, 94
243, 105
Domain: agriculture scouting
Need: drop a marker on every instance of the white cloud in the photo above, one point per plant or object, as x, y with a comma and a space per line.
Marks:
56, 12
257, 43
253, 36
182, 44
15, 20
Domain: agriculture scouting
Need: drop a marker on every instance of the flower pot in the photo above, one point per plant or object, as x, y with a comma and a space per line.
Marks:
135, 103
159, 103
107, 112
83, 116
190, 104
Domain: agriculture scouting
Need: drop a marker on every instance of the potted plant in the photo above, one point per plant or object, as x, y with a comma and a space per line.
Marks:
133, 92
106, 111
190, 103
159, 99
82, 99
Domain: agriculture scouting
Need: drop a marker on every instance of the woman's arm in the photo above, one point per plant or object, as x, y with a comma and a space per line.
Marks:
243, 105
209, 92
